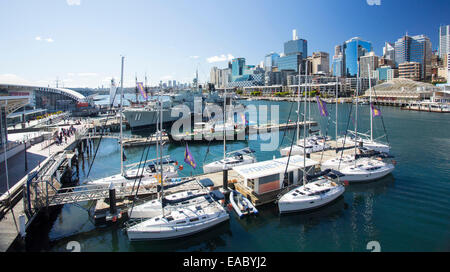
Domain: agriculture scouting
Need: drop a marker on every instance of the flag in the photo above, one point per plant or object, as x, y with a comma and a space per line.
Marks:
188, 157
244, 120
322, 106
140, 86
375, 111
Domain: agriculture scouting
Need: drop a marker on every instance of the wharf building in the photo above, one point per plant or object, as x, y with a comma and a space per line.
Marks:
46, 99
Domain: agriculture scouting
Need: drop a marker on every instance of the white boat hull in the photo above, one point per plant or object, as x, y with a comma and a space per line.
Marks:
252, 209
171, 232
313, 203
217, 166
364, 176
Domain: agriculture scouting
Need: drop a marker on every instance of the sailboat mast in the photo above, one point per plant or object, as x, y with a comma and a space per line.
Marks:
298, 103
304, 126
161, 153
337, 94
370, 103
356, 109
121, 109
224, 121
136, 90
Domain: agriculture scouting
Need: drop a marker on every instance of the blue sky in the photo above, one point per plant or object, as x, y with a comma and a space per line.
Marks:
81, 41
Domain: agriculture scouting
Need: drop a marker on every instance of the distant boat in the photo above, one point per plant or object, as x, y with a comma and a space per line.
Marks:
241, 205
235, 158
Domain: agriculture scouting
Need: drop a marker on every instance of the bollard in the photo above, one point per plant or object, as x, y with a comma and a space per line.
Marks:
225, 177
308, 155
112, 199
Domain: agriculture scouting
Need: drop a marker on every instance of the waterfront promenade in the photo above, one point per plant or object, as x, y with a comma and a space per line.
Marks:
37, 155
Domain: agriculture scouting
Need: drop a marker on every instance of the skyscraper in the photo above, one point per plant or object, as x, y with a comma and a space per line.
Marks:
353, 49
338, 62
444, 41
369, 59
294, 51
271, 61
320, 63
414, 49
237, 67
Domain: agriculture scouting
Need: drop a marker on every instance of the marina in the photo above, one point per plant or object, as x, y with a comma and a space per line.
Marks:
100, 208
213, 136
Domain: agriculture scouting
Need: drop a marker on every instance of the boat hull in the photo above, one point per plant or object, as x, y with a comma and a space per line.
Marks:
165, 233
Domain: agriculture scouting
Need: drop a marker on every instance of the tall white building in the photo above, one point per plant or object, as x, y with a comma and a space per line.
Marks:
366, 60
444, 41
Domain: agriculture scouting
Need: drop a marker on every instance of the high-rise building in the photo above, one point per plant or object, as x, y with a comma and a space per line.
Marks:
410, 70
389, 51
448, 67
214, 76
385, 73
414, 49
296, 45
271, 61
294, 52
320, 63
337, 65
370, 59
353, 49
237, 67
444, 41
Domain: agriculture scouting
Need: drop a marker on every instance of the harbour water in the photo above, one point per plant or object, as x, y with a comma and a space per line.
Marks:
409, 210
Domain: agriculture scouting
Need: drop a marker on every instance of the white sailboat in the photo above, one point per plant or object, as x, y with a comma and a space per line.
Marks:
321, 190
310, 144
357, 167
147, 173
231, 159
364, 139
178, 221
235, 158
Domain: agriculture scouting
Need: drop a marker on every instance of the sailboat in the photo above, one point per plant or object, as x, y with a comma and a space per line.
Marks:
311, 144
147, 173
364, 139
231, 159
321, 189
178, 221
365, 166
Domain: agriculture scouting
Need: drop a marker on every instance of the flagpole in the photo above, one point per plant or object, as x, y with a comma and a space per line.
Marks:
304, 130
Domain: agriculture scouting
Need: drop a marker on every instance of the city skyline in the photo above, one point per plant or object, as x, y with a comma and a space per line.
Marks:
79, 40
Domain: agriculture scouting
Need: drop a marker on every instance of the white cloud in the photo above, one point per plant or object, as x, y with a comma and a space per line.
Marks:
13, 79
73, 2
87, 74
220, 58
40, 39
193, 57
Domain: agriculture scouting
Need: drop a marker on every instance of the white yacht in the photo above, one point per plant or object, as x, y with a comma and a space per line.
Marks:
367, 169
317, 190
311, 195
179, 222
235, 158
313, 144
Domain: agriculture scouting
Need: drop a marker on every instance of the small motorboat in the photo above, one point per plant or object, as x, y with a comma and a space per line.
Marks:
241, 205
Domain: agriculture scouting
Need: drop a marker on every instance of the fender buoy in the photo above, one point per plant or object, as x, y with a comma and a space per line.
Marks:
180, 167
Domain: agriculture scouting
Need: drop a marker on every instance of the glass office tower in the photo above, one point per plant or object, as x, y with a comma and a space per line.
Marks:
414, 49
353, 50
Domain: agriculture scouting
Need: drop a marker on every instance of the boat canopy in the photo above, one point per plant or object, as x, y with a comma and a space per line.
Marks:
217, 195
244, 151
190, 196
206, 182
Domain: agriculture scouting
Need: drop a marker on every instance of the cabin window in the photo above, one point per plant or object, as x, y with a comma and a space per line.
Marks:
181, 222
169, 218
193, 219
